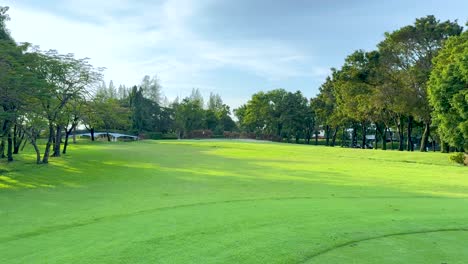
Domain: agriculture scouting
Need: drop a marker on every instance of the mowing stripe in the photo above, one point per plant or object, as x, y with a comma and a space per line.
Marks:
351, 242
55, 228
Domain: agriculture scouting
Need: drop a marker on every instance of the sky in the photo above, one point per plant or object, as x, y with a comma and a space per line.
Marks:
231, 47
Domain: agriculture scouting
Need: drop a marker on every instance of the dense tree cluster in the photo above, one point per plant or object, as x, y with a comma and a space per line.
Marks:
412, 89
48, 96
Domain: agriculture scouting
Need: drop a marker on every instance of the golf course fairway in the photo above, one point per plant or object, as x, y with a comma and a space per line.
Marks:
212, 201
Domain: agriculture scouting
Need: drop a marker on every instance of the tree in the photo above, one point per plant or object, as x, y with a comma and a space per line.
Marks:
189, 116
215, 103
66, 79
112, 115
4, 33
19, 95
217, 115
325, 109
295, 112
408, 52
255, 115
353, 87
448, 92
73, 114
151, 88
16, 92
196, 98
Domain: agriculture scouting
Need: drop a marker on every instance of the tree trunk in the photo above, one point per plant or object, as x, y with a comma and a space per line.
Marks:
74, 135
327, 135
444, 147
92, 133
24, 145
2, 149
391, 141
343, 137
335, 133
45, 158
409, 140
354, 137
376, 140
10, 147
3, 134
68, 132
32, 139
433, 143
378, 133
384, 138
38, 152
65, 144
15, 139
58, 142
401, 138
18, 140
364, 130
279, 127
425, 137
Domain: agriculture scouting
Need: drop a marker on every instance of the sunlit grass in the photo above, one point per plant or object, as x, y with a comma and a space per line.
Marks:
232, 202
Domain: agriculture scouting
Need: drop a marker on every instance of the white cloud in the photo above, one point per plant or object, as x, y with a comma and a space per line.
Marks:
151, 39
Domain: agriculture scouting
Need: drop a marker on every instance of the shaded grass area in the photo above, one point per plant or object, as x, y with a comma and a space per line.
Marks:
233, 202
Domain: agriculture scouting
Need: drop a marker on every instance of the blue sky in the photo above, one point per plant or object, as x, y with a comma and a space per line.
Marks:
233, 48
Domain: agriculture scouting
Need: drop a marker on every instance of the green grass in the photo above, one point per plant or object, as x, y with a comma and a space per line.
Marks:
233, 202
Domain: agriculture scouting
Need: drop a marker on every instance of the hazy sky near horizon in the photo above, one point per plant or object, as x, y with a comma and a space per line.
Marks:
233, 48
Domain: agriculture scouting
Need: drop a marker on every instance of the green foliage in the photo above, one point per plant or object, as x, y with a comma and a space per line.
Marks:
459, 157
152, 89
4, 33
190, 115
169, 136
113, 116
153, 135
448, 92
276, 114
408, 53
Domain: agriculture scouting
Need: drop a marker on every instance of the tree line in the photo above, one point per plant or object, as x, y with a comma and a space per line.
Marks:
46, 96
412, 89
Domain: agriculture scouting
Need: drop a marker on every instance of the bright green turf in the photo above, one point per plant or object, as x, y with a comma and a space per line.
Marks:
233, 202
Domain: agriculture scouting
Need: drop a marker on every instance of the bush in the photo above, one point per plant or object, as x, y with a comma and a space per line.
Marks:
248, 135
169, 136
460, 158
200, 134
228, 134
152, 135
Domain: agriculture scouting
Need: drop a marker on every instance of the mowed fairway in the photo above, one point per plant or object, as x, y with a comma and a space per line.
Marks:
233, 202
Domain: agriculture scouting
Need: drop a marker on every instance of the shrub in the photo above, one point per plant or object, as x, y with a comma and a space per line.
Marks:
200, 134
169, 136
459, 158
248, 135
152, 135
228, 134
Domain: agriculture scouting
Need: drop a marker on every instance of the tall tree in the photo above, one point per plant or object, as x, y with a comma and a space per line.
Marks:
151, 88
409, 51
67, 78
354, 87
448, 92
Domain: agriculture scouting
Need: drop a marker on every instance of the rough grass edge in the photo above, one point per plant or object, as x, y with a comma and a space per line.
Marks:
460, 158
